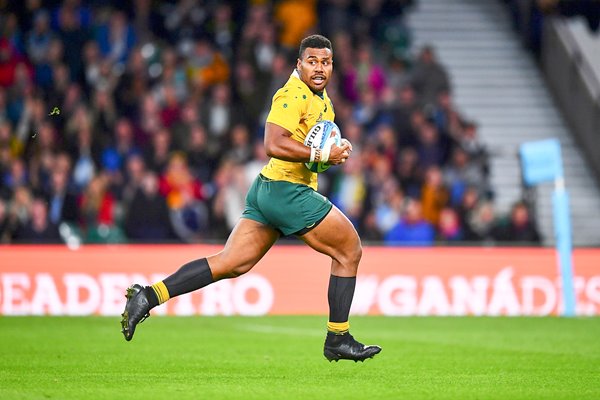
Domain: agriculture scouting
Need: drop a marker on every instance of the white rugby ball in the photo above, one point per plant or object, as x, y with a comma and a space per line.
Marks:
318, 137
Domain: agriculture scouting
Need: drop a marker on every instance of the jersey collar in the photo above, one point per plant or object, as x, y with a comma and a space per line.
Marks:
295, 74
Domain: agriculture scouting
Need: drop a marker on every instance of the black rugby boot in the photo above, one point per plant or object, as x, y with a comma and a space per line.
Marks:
345, 347
137, 309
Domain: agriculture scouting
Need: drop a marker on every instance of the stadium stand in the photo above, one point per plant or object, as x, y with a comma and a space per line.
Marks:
169, 98
498, 83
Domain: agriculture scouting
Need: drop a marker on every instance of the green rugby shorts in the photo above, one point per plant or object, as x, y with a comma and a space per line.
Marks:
291, 208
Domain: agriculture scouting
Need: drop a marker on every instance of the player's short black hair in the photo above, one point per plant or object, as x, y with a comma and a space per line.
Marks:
314, 42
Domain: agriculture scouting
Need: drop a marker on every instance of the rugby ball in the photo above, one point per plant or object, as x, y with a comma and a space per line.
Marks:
324, 133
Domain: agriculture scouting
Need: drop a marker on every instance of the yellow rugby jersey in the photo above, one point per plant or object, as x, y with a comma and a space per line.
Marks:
296, 108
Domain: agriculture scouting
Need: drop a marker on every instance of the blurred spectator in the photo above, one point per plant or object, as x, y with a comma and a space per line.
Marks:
408, 172
147, 22
92, 61
115, 38
248, 88
461, 173
5, 233
219, 114
185, 199
9, 60
364, 75
350, 189
466, 209
158, 154
122, 146
470, 142
413, 229
73, 21
368, 73
147, 214
430, 147
520, 228
38, 229
169, 113
367, 111
397, 73
389, 207
172, 86
148, 119
231, 187
208, 65
295, 18
20, 207
132, 85
429, 77
97, 205
482, 224
135, 171
104, 112
240, 148
265, 49
202, 161
15, 177
181, 129
62, 202
449, 228
85, 156
183, 19
387, 142
335, 16
223, 29
446, 117
434, 196
12, 32
39, 39
400, 113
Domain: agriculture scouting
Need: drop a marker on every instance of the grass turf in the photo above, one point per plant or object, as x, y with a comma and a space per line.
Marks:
281, 357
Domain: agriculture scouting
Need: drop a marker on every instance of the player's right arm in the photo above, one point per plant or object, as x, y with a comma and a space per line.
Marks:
279, 144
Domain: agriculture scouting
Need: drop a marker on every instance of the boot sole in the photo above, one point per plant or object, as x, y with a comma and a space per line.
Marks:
331, 356
125, 315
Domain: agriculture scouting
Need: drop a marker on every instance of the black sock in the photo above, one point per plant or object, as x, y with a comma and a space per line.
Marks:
340, 294
191, 276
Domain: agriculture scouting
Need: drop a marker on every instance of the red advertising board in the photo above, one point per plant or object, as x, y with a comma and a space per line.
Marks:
53, 280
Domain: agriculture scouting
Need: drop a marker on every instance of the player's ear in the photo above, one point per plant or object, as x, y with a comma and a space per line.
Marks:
298, 63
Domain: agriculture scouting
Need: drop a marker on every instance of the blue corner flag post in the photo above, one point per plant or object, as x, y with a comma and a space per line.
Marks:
542, 162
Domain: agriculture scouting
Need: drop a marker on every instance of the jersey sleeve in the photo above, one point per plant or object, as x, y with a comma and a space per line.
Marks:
286, 109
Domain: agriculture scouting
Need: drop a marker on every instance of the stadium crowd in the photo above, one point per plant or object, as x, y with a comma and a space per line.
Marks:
142, 121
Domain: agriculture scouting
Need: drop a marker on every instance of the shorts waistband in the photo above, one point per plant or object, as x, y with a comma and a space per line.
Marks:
264, 178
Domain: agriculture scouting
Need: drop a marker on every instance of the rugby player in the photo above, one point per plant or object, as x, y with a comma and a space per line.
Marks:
283, 201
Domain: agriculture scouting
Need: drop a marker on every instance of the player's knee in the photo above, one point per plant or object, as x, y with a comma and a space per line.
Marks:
239, 270
350, 257
355, 255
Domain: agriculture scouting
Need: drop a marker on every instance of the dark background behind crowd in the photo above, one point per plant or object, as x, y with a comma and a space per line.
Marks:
142, 121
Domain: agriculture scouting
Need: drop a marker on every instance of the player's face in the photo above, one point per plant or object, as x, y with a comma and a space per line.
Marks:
315, 68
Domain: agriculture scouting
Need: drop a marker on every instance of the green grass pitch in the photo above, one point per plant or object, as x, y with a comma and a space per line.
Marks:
281, 358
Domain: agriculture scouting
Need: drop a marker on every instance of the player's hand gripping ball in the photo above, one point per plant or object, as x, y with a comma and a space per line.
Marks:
322, 136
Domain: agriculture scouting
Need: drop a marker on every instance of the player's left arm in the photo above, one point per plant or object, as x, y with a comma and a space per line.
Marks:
279, 144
